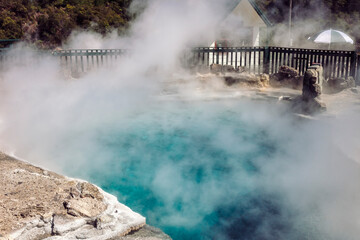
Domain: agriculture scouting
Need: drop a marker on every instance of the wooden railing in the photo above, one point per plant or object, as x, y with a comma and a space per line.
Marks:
82, 60
269, 59
253, 59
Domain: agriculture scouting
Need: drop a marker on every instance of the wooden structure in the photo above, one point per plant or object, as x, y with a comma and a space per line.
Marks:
82, 60
269, 59
256, 60
245, 25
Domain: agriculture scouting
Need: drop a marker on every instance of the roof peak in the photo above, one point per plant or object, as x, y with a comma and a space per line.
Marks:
256, 8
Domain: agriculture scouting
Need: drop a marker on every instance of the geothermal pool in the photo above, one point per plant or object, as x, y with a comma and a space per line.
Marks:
219, 169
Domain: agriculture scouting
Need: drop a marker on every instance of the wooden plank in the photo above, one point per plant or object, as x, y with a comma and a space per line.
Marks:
222, 58
259, 62
272, 61
323, 59
347, 66
337, 66
296, 60
332, 66
326, 67
276, 57
236, 58
87, 61
357, 68
241, 58
342, 66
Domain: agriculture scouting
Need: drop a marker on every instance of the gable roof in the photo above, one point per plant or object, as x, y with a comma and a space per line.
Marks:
234, 3
261, 13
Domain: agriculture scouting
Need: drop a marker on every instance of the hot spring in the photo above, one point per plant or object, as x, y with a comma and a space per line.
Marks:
221, 169
198, 160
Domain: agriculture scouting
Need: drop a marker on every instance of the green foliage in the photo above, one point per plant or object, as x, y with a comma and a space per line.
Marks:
50, 22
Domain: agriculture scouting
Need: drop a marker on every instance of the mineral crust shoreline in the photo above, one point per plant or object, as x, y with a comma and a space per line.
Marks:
40, 204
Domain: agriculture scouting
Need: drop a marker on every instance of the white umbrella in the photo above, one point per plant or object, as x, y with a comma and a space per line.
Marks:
331, 36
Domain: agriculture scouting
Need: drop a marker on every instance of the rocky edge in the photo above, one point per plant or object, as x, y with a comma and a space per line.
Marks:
39, 204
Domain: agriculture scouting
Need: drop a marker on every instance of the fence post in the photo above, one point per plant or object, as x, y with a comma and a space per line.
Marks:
267, 60
353, 61
357, 70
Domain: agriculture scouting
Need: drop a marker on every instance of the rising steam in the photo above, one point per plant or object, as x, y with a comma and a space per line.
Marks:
285, 178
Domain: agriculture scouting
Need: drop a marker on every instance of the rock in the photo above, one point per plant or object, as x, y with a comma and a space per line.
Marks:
287, 72
311, 86
50, 206
314, 105
240, 69
286, 77
218, 68
354, 90
89, 190
86, 207
62, 224
146, 233
310, 106
103, 220
246, 79
265, 80
335, 85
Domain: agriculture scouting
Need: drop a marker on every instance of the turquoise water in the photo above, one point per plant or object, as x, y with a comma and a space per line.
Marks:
195, 170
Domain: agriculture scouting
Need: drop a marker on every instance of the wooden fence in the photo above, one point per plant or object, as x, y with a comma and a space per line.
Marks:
269, 59
254, 59
82, 60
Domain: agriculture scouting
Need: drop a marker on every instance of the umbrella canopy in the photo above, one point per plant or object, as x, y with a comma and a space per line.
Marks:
332, 36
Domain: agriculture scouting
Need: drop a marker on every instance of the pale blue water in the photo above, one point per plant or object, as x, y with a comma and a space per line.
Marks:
195, 169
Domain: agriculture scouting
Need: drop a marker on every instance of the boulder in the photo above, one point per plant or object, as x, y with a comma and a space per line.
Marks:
265, 79
335, 85
310, 101
240, 69
89, 190
84, 207
288, 72
286, 77
245, 79
218, 68
309, 106
311, 86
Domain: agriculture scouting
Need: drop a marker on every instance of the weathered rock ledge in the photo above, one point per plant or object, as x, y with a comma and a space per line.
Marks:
39, 204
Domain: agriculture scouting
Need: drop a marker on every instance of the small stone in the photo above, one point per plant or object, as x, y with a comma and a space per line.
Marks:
218, 68
85, 207
265, 79
89, 190
354, 90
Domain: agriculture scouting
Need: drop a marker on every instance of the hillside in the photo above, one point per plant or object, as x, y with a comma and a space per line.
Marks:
48, 22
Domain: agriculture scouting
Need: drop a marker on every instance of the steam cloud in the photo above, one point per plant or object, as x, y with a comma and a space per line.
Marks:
305, 185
